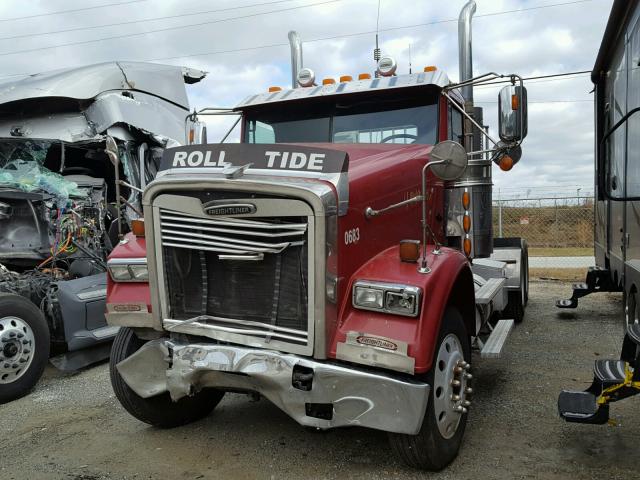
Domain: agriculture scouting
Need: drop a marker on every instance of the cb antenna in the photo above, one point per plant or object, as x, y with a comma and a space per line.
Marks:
376, 51
410, 72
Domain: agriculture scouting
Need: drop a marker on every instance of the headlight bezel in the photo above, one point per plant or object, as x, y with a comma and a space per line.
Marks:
390, 291
137, 269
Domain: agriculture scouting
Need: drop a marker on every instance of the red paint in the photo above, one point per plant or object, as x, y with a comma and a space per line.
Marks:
129, 292
419, 333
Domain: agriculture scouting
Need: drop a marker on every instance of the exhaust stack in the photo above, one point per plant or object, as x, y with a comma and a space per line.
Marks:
465, 54
296, 57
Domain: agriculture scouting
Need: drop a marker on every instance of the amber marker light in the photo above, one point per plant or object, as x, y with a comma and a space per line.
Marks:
466, 200
275, 89
345, 78
430, 68
467, 246
364, 76
466, 222
409, 250
328, 81
515, 102
137, 227
506, 163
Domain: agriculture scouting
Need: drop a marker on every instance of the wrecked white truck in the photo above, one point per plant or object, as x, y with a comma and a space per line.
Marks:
77, 146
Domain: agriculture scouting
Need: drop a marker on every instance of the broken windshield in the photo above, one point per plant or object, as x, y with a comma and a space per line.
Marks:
405, 122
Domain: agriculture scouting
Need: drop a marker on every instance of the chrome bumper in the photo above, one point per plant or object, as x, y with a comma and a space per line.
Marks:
330, 395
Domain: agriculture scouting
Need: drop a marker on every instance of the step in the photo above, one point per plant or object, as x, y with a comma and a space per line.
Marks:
486, 293
495, 343
582, 407
633, 332
609, 372
567, 303
580, 286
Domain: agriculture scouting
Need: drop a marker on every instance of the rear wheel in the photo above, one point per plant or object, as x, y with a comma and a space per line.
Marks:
24, 346
160, 410
440, 437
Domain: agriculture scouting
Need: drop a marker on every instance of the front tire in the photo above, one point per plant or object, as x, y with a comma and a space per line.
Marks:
24, 346
440, 437
159, 411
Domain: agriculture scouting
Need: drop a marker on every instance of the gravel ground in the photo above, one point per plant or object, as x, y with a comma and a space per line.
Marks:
72, 427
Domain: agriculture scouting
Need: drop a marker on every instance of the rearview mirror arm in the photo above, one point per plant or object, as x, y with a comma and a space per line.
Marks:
469, 117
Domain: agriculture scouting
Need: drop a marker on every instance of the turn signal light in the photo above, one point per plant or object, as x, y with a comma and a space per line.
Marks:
364, 76
466, 200
430, 68
328, 81
345, 78
466, 223
506, 163
274, 89
515, 102
467, 246
137, 227
409, 250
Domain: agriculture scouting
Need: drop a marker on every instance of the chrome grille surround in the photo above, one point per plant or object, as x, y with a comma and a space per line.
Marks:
319, 200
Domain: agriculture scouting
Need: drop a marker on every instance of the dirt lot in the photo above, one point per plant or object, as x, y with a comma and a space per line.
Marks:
73, 428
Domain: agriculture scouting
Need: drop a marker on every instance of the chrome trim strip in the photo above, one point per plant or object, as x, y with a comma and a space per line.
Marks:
126, 261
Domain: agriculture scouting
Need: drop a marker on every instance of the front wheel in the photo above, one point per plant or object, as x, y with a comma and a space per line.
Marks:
24, 346
440, 437
160, 410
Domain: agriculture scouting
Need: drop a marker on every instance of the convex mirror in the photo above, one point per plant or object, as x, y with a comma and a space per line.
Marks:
512, 113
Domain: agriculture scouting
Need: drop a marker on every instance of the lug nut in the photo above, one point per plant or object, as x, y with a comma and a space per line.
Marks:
12, 334
6, 365
468, 390
460, 409
26, 350
468, 376
466, 403
25, 342
455, 398
455, 383
467, 366
457, 369
22, 360
15, 365
20, 335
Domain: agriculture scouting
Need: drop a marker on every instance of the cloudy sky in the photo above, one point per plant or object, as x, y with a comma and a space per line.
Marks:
243, 46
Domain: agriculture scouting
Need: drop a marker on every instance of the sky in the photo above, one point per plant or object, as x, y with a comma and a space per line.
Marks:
243, 45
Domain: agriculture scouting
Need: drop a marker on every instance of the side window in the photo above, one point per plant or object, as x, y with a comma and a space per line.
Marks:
615, 109
259, 132
455, 126
633, 123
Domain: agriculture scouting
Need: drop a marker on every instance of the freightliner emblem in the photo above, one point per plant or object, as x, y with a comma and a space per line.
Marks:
230, 209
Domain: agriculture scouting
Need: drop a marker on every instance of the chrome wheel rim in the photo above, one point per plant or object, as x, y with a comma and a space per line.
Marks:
17, 345
450, 386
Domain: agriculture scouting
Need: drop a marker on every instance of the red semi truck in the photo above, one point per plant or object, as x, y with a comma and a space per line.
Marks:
339, 261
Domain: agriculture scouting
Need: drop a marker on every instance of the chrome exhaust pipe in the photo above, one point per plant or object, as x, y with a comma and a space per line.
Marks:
465, 54
296, 57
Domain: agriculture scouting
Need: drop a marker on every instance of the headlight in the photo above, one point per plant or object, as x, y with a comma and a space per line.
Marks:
387, 297
128, 269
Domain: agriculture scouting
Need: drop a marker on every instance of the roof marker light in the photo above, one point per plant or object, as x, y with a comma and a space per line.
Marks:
387, 66
364, 76
345, 78
328, 81
275, 89
306, 77
430, 68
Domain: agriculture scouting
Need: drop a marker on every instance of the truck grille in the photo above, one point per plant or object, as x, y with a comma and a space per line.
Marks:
238, 275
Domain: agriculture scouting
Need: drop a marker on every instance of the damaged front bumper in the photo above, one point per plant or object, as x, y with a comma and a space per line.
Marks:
315, 394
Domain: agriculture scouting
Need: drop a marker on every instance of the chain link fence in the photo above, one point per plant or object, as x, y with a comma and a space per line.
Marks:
559, 230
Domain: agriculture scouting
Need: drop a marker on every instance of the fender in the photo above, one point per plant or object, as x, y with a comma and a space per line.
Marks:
133, 294
450, 282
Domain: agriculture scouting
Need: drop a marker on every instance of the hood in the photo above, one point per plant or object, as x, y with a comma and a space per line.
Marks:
89, 81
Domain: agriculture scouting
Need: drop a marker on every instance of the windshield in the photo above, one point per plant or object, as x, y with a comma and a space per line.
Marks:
407, 122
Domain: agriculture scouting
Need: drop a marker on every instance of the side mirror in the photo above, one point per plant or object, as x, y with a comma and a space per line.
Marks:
512, 113
111, 149
448, 160
198, 133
